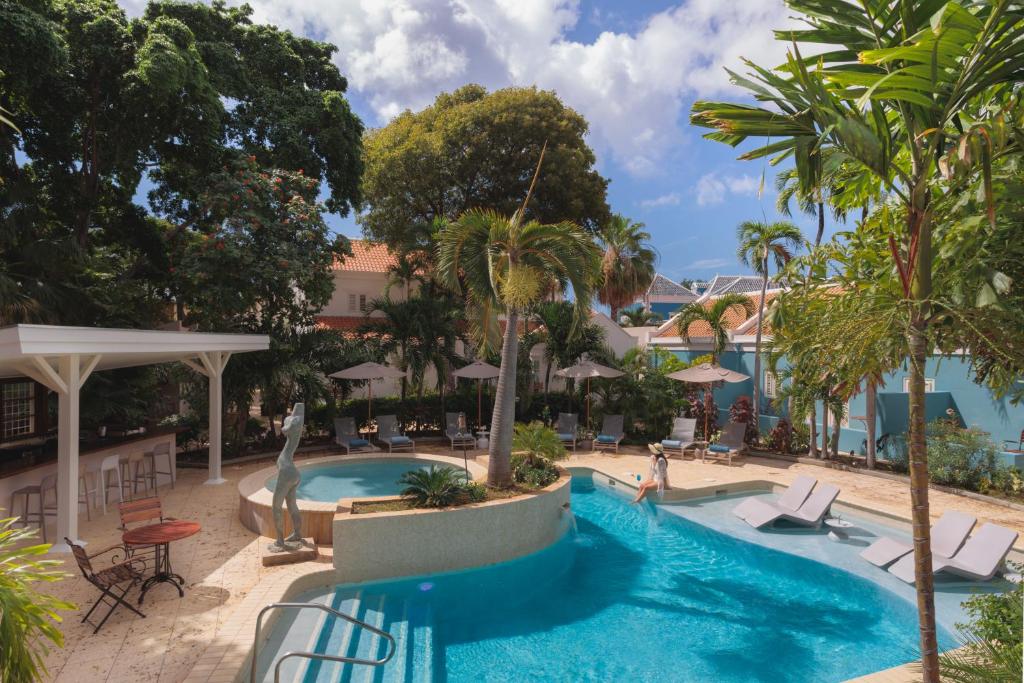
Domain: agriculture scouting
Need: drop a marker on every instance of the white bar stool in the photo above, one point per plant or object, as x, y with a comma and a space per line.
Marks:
111, 465
161, 450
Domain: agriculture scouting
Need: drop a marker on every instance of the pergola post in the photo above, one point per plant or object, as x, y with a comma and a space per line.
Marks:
212, 365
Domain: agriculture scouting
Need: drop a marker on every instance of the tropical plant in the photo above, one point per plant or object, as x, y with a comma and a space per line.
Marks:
991, 644
536, 440
28, 618
921, 97
759, 244
627, 267
742, 411
638, 317
438, 487
780, 438
503, 264
566, 339
715, 314
959, 456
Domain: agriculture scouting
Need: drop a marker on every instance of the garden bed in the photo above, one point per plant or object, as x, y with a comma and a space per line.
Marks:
398, 504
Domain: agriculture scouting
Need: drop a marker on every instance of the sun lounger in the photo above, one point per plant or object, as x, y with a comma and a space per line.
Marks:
948, 534
566, 429
790, 500
979, 558
388, 433
346, 435
611, 434
456, 436
810, 513
682, 438
730, 445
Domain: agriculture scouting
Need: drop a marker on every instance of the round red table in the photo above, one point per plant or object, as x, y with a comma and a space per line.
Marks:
160, 536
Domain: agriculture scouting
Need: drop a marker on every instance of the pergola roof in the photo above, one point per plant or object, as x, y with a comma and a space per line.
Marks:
114, 348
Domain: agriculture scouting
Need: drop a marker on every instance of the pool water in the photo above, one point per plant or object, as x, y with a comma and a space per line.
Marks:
328, 483
632, 596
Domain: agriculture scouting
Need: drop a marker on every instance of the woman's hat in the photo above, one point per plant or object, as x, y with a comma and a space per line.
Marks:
656, 449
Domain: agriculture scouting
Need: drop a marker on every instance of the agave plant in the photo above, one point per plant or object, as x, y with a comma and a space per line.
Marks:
28, 618
438, 487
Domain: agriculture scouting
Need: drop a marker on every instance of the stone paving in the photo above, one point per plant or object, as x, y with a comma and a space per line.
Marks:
221, 564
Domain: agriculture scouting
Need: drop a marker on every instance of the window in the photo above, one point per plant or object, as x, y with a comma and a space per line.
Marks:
362, 303
771, 385
352, 302
929, 385
17, 409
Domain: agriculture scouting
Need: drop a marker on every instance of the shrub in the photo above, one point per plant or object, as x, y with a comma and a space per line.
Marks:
965, 458
780, 439
801, 438
698, 407
538, 441
742, 411
533, 472
992, 641
474, 492
437, 487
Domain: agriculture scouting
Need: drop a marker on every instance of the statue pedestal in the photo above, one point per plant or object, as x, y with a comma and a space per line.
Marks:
306, 552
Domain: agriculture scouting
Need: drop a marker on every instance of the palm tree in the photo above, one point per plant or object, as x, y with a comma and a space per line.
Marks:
714, 315
627, 267
760, 243
502, 264
638, 317
565, 339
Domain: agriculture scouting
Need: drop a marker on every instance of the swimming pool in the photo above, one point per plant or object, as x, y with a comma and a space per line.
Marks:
633, 596
355, 479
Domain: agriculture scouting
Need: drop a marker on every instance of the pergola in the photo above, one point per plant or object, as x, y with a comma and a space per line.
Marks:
62, 358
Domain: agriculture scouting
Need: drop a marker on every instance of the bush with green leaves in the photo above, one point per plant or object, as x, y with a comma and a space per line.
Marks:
961, 457
28, 618
437, 487
992, 642
537, 440
533, 472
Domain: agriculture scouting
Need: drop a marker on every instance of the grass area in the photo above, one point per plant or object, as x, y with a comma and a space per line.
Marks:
397, 504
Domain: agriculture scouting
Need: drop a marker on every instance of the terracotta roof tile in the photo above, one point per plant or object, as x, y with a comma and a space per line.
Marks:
367, 257
734, 317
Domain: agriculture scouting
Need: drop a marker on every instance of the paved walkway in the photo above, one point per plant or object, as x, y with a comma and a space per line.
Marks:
221, 564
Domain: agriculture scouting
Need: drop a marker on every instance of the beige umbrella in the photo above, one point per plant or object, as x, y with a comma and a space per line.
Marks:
369, 372
588, 369
707, 374
479, 371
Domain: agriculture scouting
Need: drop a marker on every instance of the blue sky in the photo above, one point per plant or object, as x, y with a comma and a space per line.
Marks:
632, 68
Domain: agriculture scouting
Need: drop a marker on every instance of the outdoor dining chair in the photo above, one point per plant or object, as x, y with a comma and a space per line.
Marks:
113, 582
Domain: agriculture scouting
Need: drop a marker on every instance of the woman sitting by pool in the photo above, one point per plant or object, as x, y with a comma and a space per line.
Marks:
658, 477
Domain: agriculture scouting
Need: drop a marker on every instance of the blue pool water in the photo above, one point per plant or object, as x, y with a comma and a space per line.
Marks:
633, 596
356, 479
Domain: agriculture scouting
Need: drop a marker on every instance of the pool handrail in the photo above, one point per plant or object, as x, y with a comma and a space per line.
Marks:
392, 647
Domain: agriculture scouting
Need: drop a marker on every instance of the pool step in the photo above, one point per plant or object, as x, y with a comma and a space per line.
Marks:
302, 630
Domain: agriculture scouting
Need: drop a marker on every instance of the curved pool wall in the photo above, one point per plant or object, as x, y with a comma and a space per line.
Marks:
641, 593
416, 542
255, 499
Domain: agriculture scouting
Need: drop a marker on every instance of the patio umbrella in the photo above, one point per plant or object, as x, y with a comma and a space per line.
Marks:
707, 374
368, 371
588, 369
479, 371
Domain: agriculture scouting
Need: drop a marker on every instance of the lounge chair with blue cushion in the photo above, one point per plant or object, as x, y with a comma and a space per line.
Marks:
567, 423
347, 436
979, 559
948, 534
389, 434
730, 445
682, 438
611, 434
454, 434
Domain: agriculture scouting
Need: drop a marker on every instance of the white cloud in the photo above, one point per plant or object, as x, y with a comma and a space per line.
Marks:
632, 86
707, 264
670, 199
712, 188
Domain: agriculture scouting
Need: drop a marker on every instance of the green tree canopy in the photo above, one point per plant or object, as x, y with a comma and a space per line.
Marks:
473, 149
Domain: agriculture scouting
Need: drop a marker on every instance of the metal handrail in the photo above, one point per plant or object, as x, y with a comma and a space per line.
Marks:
392, 647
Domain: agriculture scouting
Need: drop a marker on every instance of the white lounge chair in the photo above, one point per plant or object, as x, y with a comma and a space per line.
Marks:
810, 513
948, 534
347, 436
729, 446
566, 429
790, 500
682, 438
611, 434
979, 559
457, 437
388, 433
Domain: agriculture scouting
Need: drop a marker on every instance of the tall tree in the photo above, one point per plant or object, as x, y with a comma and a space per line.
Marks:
715, 315
761, 244
502, 264
627, 267
565, 338
916, 94
639, 317
474, 149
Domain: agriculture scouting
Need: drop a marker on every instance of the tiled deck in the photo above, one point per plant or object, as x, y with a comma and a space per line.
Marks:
221, 567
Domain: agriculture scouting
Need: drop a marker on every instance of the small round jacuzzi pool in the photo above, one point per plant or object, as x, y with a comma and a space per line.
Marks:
356, 479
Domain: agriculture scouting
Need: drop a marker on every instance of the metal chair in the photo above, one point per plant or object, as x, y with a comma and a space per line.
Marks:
113, 582
161, 450
455, 434
42, 512
389, 433
567, 424
111, 465
1019, 446
347, 436
611, 434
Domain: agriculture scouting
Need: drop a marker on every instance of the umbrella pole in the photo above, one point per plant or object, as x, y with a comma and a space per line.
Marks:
707, 437
588, 404
369, 404
479, 405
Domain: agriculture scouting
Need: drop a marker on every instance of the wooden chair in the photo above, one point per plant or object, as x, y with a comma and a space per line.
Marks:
146, 510
113, 582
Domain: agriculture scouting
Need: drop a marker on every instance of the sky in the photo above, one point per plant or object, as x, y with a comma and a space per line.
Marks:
632, 68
